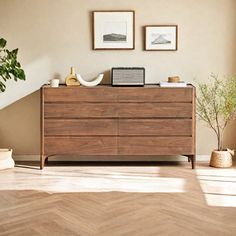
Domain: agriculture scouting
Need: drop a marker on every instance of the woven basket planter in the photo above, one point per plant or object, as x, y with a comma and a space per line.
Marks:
221, 159
6, 160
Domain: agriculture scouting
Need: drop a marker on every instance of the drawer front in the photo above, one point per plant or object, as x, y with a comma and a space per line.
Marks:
155, 127
80, 110
80, 94
81, 127
123, 110
155, 110
155, 145
155, 94
80, 145
124, 94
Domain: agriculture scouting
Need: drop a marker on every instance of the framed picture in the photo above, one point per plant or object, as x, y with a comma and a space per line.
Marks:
113, 30
161, 37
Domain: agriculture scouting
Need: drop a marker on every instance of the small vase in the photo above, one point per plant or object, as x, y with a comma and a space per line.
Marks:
71, 79
221, 159
6, 160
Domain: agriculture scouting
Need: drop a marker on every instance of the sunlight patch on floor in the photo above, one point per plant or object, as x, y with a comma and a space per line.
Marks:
218, 186
92, 179
221, 200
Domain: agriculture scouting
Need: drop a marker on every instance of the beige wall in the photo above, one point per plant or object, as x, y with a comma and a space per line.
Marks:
54, 34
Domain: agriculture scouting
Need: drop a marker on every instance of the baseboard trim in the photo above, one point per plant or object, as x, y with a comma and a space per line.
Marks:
101, 158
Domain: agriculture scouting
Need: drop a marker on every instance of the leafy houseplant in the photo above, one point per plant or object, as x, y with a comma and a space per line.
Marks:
216, 105
10, 68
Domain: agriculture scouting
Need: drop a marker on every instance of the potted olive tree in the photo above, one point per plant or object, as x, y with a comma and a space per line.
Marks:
10, 68
216, 106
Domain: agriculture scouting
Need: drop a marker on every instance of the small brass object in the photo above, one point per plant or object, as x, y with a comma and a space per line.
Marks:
71, 79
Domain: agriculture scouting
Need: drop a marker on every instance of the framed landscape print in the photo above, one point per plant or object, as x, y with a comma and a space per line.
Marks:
113, 30
161, 37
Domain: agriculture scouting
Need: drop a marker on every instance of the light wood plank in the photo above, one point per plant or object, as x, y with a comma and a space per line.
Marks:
113, 200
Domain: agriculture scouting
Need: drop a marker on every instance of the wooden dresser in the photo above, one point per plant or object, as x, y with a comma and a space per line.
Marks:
107, 120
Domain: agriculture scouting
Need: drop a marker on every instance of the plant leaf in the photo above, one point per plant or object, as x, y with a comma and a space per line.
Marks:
3, 42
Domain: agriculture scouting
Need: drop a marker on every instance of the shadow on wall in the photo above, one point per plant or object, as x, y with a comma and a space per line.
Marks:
20, 125
36, 74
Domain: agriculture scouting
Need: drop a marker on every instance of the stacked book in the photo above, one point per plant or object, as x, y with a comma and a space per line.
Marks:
173, 82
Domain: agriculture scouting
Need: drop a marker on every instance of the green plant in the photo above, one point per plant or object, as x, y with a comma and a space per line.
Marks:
216, 104
10, 68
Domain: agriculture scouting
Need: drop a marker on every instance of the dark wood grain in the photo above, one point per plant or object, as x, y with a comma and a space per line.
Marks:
156, 127
124, 94
115, 110
155, 145
81, 145
155, 110
42, 157
193, 157
82, 127
80, 110
155, 94
80, 94
127, 121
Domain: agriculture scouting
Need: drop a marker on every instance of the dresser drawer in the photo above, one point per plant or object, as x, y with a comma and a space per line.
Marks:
80, 110
80, 94
80, 145
155, 145
155, 94
155, 110
115, 110
81, 127
155, 127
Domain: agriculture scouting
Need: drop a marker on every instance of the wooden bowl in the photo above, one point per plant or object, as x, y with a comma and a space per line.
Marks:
174, 79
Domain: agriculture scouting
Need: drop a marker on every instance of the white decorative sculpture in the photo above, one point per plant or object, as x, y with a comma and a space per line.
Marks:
91, 83
6, 160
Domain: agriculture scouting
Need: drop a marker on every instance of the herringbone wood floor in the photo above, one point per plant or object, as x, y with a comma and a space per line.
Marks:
116, 200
